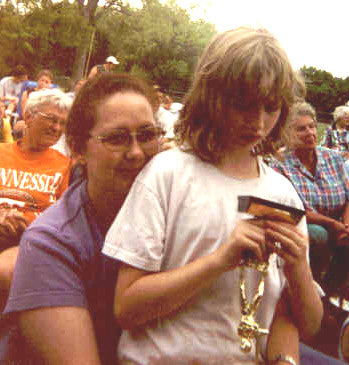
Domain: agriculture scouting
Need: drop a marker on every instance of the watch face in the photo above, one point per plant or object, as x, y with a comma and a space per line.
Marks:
284, 358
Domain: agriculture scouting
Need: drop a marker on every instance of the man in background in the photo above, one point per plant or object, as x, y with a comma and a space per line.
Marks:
108, 66
10, 86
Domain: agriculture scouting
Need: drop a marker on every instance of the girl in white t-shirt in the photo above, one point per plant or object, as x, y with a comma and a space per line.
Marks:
180, 237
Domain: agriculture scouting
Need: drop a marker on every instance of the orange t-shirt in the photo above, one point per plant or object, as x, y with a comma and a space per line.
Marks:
31, 181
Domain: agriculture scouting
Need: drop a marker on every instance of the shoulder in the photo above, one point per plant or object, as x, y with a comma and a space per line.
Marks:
285, 192
58, 156
325, 153
170, 161
168, 166
6, 146
65, 211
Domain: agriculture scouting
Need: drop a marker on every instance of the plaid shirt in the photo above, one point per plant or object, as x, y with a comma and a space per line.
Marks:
335, 139
328, 191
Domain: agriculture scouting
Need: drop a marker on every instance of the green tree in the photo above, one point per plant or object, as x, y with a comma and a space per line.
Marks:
158, 41
324, 91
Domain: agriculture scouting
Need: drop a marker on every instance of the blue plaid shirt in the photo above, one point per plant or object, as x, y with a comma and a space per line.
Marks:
328, 191
335, 139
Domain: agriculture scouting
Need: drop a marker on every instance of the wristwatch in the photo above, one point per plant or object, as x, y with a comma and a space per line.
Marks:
282, 357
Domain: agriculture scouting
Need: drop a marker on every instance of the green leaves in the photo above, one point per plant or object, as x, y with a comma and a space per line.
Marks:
324, 91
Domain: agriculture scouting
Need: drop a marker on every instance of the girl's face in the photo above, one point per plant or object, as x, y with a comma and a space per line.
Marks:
304, 133
250, 126
44, 82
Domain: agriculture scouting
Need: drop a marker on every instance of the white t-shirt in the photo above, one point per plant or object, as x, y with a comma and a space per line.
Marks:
179, 209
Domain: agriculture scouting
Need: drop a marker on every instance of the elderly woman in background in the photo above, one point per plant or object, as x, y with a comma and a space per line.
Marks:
32, 175
111, 131
321, 181
336, 137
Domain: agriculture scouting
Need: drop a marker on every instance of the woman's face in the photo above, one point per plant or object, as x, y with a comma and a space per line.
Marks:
45, 127
304, 134
112, 163
343, 122
44, 82
250, 126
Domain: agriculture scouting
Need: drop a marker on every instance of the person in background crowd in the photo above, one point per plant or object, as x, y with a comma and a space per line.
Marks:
44, 81
65, 309
62, 145
319, 176
32, 175
77, 86
108, 66
10, 87
177, 295
336, 137
167, 114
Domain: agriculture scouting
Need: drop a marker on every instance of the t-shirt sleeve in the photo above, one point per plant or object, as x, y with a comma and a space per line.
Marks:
48, 273
136, 237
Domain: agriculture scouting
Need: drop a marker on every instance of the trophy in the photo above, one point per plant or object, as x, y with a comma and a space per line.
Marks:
249, 330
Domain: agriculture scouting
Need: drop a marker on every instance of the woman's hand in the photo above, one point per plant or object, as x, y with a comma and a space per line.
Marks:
246, 241
12, 225
292, 244
340, 232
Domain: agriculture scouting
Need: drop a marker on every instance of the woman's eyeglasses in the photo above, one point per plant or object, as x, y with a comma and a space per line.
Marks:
53, 119
121, 139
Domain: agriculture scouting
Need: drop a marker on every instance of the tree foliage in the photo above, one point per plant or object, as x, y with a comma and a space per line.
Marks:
324, 91
158, 41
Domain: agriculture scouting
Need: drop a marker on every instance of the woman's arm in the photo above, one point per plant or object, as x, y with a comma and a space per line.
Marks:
8, 260
336, 227
60, 335
141, 296
304, 298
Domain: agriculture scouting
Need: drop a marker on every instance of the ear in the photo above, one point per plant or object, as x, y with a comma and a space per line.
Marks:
28, 118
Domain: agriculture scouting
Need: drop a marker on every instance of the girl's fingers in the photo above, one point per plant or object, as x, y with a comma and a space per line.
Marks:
252, 250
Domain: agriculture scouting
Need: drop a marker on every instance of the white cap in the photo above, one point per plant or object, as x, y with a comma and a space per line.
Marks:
112, 59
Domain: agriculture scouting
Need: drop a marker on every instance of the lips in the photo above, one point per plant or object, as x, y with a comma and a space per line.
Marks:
129, 172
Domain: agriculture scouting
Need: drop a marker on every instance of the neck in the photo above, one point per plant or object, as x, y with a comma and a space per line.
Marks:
307, 157
240, 164
26, 145
106, 206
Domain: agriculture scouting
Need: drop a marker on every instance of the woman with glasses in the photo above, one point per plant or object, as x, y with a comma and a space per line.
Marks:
65, 310
32, 175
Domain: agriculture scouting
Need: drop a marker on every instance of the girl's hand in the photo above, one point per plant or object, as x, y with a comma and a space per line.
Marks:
292, 244
247, 240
